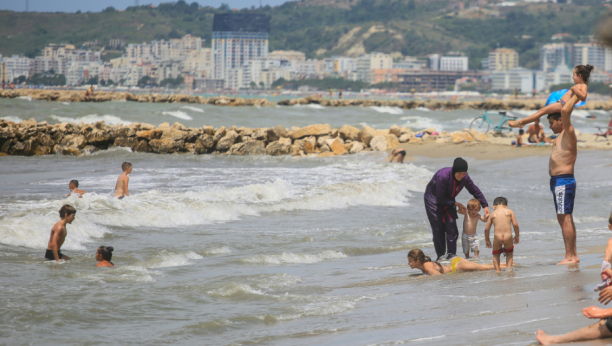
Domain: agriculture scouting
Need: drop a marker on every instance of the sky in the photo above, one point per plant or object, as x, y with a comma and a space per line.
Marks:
99, 5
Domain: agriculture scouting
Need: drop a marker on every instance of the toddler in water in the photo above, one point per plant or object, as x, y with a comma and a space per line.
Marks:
606, 268
581, 78
104, 254
501, 219
469, 238
74, 188
121, 189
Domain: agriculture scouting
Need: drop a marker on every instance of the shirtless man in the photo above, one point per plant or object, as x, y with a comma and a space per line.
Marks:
58, 234
561, 170
121, 189
535, 133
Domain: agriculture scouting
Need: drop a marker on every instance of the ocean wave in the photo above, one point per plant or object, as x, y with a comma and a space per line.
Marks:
28, 98
195, 109
119, 274
292, 258
422, 109
12, 118
91, 119
217, 251
416, 122
233, 290
166, 260
387, 109
178, 114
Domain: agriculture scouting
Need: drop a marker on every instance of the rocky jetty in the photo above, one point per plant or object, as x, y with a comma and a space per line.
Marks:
29, 138
103, 96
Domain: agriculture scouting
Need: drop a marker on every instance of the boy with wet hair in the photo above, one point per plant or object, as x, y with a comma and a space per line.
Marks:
74, 188
121, 188
469, 238
58, 234
501, 219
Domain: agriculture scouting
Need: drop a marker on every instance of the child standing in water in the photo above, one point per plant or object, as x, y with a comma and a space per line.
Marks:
502, 219
121, 188
581, 79
74, 188
104, 254
58, 234
606, 268
469, 238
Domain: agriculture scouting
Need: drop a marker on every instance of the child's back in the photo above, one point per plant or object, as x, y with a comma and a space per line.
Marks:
502, 220
121, 188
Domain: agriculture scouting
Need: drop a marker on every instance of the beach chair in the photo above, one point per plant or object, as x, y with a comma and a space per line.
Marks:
604, 131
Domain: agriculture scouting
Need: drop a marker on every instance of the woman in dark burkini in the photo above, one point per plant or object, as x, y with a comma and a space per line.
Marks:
418, 260
440, 205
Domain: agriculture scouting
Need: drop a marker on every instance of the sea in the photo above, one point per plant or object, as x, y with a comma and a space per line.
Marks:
259, 250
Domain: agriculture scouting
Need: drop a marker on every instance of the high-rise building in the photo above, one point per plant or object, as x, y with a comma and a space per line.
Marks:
503, 59
554, 55
238, 38
593, 54
454, 63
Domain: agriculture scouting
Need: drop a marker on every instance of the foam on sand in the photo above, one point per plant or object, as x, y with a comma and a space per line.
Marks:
92, 119
178, 114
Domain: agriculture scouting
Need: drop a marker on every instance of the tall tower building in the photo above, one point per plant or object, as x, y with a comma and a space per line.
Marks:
238, 38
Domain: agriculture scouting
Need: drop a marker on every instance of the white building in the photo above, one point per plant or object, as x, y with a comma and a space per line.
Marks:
16, 66
373, 61
410, 63
454, 63
555, 55
559, 75
522, 79
593, 54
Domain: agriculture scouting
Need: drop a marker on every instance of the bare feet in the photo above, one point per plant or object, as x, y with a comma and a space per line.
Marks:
515, 123
595, 312
543, 338
569, 260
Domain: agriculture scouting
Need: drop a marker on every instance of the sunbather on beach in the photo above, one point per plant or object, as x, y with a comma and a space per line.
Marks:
418, 260
581, 79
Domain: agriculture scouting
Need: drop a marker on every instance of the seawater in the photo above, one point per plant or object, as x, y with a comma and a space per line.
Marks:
219, 250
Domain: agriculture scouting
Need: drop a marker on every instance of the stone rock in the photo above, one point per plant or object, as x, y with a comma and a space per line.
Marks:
405, 130
312, 130
280, 131
356, 147
142, 147
323, 140
324, 148
74, 141
405, 137
165, 146
225, 143
26, 124
334, 133
125, 131
205, 144
130, 142
285, 140
97, 136
277, 148
429, 130
236, 149
337, 147
395, 130
255, 148
189, 147
381, 143
174, 134
350, 132
220, 133
367, 133
164, 126
260, 134
294, 150
247, 132
149, 134
209, 130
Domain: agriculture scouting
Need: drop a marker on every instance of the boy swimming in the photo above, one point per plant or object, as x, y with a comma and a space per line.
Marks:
74, 188
58, 234
606, 268
121, 188
469, 238
501, 219
581, 79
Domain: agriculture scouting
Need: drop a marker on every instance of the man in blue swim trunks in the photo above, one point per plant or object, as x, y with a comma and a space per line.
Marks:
561, 170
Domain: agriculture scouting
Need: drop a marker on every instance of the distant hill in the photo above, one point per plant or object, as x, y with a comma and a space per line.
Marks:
323, 28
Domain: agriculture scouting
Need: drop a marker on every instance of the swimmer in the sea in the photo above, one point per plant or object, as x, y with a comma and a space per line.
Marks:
418, 260
400, 153
74, 188
121, 189
58, 234
104, 254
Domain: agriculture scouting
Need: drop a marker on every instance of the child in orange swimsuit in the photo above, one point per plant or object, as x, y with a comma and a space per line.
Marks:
501, 219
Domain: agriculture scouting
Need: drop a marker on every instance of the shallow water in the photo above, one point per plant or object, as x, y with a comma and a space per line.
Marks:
223, 250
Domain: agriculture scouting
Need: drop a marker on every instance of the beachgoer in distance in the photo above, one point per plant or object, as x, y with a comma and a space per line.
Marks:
562, 181
74, 188
469, 238
400, 153
501, 219
519, 138
58, 234
606, 268
121, 188
535, 132
340, 94
104, 254
418, 260
581, 79
440, 205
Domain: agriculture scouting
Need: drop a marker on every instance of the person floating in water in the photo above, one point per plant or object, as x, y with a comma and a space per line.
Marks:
74, 188
400, 153
104, 254
58, 234
121, 188
581, 79
418, 260
502, 219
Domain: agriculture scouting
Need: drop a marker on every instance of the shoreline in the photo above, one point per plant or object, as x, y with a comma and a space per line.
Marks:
433, 104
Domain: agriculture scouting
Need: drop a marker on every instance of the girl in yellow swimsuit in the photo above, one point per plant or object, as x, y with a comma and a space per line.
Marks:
418, 260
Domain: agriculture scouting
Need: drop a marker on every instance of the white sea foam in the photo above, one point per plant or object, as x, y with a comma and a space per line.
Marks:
166, 259
28, 98
120, 274
178, 114
11, 118
422, 109
418, 122
92, 118
66, 103
292, 258
387, 109
195, 109
235, 291
218, 251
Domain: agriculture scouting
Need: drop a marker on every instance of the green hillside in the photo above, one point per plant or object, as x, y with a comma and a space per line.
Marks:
321, 28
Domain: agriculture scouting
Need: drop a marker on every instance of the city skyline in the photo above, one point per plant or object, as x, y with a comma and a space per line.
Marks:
72, 6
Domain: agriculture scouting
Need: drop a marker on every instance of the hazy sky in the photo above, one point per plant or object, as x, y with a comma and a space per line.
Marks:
99, 5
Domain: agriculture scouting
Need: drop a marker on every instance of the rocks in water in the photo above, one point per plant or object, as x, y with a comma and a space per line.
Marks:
312, 130
384, 142
350, 132
367, 133
165, 146
205, 144
225, 143
277, 148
